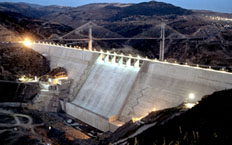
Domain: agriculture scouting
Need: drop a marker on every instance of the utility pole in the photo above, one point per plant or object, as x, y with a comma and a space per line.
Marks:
162, 42
90, 36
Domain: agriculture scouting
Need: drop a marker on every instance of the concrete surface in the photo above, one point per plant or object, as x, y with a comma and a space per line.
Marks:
106, 89
86, 116
164, 85
90, 118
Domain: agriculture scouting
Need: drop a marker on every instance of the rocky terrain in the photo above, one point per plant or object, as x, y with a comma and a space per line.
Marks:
31, 127
15, 27
128, 20
17, 60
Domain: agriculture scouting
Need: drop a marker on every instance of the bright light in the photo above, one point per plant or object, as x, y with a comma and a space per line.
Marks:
62, 78
191, 96
24, 78
154, 109
136, 119
57, 80
27, 42
189, 105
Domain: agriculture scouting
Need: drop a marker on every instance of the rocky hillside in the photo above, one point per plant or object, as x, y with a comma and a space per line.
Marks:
17, 60
129, 20
15, 26
75, 16
149, 9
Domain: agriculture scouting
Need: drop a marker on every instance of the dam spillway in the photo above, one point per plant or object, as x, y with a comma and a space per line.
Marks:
109, 92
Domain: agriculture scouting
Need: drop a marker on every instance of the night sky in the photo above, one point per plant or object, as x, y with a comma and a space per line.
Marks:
214, 5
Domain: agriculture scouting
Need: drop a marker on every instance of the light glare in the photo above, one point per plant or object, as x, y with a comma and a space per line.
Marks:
27, 42
154, 109
136, 119
189, 105
191, 96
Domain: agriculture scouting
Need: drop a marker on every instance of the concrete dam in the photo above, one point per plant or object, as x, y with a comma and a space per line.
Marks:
109, 89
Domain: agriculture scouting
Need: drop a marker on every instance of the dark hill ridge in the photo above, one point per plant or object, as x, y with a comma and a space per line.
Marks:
75, 16
150, 9
30, 10
98, 11
27, 26
17, 60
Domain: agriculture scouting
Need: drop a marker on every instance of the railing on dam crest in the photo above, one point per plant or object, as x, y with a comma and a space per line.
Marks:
129, 60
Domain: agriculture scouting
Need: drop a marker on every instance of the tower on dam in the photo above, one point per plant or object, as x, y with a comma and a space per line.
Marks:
109, 89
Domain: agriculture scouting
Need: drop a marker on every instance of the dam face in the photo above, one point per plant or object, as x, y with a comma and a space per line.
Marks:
108, 90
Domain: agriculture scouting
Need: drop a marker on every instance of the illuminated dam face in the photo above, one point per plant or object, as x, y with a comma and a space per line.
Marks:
108, 90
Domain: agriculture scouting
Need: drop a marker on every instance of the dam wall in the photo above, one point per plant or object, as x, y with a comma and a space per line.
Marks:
162, 85
107, 93
106, 89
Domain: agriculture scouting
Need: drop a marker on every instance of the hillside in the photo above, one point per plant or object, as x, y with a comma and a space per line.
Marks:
74, 16
17, 60
15, 26
128, 20
150, 9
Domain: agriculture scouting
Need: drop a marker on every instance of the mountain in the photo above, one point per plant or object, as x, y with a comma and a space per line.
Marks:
130, 20
23, 8
97, 11
150, 9
15, 26
30, 10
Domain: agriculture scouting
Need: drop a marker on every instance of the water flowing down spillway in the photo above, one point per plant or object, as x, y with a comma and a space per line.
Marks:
106, 88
